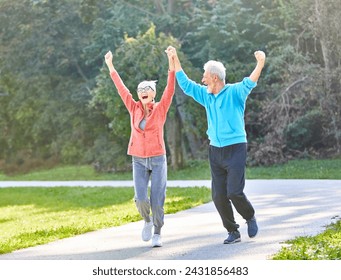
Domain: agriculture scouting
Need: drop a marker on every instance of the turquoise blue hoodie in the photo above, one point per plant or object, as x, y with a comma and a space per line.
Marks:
224, 111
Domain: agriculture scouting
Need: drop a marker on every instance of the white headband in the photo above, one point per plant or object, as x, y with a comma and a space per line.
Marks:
151, 84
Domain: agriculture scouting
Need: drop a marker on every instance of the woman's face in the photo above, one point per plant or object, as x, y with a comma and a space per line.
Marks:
146, 94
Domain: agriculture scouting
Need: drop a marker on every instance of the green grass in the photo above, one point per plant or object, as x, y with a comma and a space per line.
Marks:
299, 169
197, 170
64, 173
324, 246
33, 216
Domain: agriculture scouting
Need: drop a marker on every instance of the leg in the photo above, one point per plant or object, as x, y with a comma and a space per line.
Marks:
141, 178
158, 190
236, 181
219, 190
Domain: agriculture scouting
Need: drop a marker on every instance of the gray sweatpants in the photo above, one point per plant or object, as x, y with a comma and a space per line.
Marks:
154, 168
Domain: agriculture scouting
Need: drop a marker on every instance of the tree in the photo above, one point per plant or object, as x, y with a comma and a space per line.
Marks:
300, 56
51, 60
326, 24
46, 113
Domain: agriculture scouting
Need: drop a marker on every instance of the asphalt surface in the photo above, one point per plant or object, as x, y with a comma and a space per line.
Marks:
284, 209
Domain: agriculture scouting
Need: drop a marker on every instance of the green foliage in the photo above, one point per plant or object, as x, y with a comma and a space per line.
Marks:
104, 151
228, 23
47, 98
51, 63
305, 132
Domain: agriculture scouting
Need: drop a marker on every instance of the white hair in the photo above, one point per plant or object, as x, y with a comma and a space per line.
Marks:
216, 68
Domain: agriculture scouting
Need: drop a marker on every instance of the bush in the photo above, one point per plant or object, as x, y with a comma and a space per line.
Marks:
23, 165
265, 155
108, 156
71, 153
306, 132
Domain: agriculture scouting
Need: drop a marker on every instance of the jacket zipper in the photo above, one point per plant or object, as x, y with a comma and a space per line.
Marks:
216, 117
144, 142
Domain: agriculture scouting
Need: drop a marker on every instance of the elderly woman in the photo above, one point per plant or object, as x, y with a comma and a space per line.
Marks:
147, 146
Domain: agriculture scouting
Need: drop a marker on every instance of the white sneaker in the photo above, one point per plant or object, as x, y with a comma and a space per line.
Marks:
147, 231
156, 241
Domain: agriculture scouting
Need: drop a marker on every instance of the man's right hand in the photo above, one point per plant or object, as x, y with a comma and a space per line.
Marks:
172, 51
260, 56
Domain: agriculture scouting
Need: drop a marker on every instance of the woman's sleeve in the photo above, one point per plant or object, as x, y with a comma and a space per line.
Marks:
166, 99
123, 91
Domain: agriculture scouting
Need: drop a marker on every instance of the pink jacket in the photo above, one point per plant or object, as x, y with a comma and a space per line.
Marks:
150, 141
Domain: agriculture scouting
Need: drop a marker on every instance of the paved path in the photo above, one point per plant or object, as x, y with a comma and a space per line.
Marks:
284, 208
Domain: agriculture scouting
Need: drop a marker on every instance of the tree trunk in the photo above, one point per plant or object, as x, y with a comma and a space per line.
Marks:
171, 7
173, 135
327, 26
182, 136
190, 132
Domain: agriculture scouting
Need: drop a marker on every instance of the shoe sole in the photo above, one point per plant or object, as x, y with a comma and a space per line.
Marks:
146, 239
234, 241
147, 233
253, 236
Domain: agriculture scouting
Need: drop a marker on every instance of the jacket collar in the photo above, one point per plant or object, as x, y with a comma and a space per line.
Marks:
150, 107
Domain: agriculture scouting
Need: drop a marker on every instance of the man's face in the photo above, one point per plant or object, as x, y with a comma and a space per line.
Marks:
146, 94
209, 80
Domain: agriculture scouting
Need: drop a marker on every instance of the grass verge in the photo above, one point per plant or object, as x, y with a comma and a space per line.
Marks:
299, 169
196, 170
324, 246
33, 216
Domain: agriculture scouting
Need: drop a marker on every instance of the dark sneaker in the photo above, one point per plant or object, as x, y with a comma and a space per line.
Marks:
233, 237
252, 227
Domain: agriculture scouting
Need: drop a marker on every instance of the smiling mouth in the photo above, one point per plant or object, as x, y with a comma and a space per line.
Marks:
144, 97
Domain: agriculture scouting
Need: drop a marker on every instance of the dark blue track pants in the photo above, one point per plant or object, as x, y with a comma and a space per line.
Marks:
228, 180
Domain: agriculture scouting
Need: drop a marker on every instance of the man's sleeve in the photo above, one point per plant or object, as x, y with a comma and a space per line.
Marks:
191, 88
244, 88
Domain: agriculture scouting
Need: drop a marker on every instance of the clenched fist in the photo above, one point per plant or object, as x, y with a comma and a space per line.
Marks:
108, 60
260, 56
108, 57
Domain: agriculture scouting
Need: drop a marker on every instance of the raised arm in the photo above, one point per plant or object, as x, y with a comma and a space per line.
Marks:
170, 54
168, 93
123, 91
189, 87
260, 57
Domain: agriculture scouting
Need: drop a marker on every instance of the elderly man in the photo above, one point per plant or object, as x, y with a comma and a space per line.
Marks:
225, 105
